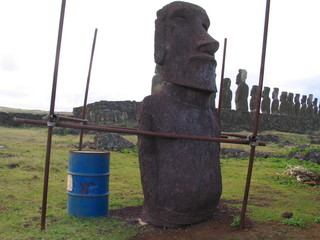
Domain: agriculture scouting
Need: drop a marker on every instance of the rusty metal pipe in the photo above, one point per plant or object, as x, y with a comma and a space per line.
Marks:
257, 115
87, 88
72, 118
137, 132
50, 127
222, 76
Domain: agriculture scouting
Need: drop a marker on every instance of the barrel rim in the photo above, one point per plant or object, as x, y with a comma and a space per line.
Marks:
88, 152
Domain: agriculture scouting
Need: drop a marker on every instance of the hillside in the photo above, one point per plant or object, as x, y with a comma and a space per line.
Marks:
18, 110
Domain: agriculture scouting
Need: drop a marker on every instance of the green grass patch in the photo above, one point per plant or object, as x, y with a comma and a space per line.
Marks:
272, 192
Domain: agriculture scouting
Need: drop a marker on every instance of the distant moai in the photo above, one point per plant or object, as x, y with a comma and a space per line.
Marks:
283, 109
297, 105
275, 101
290, 104
315, 107
242, 91
226, 94
253, 99
156, 80
309, 105
303, 110
265, 104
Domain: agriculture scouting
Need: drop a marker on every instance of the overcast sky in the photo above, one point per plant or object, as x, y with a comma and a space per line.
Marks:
123, 64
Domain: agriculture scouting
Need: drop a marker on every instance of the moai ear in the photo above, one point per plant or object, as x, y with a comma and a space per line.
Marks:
160, 39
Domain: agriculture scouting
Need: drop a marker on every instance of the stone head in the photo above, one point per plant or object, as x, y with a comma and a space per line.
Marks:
242, 76
297, 98
290, 97
275, 93
254, 90
266, 91
283, 96
309, 100
315, 102
226, 82
304, 99
183, 47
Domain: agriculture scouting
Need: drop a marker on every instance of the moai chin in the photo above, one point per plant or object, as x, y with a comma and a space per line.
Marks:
265, 104
226, 94
275, 101
181, 178
253, 99
242, 91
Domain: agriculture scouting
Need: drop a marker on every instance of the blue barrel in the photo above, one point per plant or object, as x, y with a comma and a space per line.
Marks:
88, 183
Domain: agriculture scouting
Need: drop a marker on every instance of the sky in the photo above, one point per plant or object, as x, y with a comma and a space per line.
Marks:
123, 64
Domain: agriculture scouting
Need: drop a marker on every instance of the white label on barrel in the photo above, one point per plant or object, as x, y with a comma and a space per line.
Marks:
69, 185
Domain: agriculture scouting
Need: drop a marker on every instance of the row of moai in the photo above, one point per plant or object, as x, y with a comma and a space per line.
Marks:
288, 104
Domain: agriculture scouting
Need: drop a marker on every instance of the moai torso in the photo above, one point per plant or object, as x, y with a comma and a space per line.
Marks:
283, 109
275, 101
290, 104
309, 105
181, 178
242, 91
297, 105
226, 94
253, 99
265, 104
303, 110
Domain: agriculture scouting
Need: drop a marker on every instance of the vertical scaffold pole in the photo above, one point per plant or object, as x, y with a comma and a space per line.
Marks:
257, 115
222, 76
50, 120
87, 88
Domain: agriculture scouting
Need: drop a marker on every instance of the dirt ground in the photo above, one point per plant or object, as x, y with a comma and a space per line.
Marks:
217, 228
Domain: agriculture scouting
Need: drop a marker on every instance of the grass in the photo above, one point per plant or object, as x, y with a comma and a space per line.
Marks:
272, 192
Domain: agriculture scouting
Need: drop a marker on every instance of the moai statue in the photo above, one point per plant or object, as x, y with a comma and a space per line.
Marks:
309, 105
297, 104
275, 101
181, 178
226, 94
315, 107
290, 104
265, 104
253, 99
156, 81
303, 110
242, 91
283, 109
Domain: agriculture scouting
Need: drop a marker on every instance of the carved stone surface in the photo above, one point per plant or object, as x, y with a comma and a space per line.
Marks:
315, 106
275, 101
290, 104
242, 91
303, 110
283, 109
226, 94
253, 99
181, 178
265, 103
309, 105
297, 105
